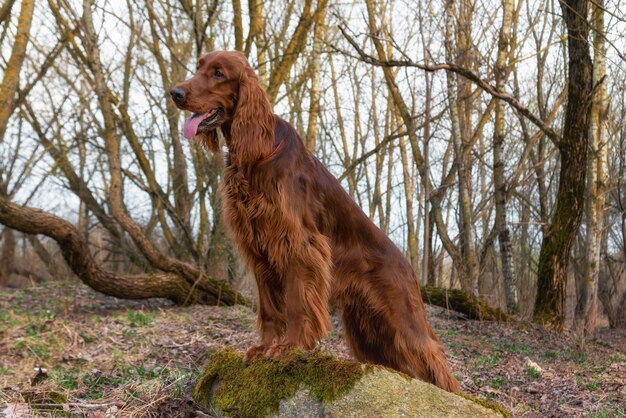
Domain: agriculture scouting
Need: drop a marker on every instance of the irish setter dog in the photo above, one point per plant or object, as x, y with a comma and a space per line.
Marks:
308, 244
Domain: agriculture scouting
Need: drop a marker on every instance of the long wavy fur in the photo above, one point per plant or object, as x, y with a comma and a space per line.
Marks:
252, 131
308, 243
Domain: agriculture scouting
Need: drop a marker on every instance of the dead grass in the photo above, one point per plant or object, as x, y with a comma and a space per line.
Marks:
67, 351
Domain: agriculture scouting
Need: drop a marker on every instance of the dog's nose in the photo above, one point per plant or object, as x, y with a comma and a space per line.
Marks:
178, 94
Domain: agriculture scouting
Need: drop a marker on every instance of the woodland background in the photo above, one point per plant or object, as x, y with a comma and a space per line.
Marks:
488, 140
446, 121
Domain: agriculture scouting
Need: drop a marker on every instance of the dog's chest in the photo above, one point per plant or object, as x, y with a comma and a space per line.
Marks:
253, 215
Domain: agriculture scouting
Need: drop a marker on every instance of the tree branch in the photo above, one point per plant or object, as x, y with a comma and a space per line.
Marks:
464, 72
138, 286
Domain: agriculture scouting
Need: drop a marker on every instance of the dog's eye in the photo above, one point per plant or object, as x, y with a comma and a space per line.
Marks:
218, 73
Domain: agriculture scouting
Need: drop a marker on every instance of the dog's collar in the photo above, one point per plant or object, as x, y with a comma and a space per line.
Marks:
229, 155
271, 154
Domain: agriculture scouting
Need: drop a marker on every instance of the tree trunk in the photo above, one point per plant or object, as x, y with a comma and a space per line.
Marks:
7, 255
612, 291
428, 224
11, 79
46, 258
5, 10
586, 306
237, 25
566, 218
468, 269
255, 10
412, 241
501, 225
524, 272
319, 35
8, 88
294, 47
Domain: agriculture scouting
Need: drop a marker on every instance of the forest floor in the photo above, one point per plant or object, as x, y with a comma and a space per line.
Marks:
66, 350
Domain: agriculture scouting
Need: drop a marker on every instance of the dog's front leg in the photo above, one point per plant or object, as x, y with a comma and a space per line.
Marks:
306, 278
271, 310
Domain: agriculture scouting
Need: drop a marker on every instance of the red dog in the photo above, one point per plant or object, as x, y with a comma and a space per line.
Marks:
306, 241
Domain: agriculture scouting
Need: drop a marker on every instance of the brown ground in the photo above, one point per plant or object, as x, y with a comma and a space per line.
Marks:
104, 356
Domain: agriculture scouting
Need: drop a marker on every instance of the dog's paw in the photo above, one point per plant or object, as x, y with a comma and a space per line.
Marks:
254, 352
276, 351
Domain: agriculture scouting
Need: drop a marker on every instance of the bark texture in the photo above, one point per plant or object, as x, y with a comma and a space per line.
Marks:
567, 215
7, 253
11, 79
499, 180
459, 97
587, 303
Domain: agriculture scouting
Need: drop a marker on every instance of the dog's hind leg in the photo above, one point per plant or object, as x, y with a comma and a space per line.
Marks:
380, 334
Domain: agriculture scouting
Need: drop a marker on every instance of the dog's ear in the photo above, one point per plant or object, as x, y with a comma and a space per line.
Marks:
252, 131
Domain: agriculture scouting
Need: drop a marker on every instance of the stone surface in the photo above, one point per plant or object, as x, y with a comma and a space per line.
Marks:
382, 393
317, 385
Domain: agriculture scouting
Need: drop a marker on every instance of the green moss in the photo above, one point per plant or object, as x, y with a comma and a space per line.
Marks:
58, 398
44, 397
459, 301
487, 404
256, 390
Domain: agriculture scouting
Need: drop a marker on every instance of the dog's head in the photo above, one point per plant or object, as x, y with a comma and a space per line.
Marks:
225, 92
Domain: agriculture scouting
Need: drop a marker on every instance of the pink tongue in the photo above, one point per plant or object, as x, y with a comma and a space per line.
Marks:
191, 125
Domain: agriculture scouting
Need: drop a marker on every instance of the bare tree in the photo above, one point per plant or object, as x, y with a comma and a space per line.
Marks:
10, 81
567, 214
460, 106
586, 308
501, 226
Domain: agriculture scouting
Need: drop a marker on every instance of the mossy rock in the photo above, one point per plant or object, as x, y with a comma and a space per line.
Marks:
317, 385
459, 301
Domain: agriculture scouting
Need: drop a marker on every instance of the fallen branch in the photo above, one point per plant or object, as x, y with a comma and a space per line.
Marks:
75, 250
459, 301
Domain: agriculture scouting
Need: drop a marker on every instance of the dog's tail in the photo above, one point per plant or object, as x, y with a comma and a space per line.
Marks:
426, 360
